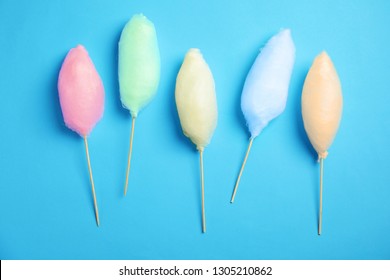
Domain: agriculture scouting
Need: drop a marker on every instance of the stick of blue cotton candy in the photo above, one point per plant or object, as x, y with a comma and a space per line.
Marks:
265, 90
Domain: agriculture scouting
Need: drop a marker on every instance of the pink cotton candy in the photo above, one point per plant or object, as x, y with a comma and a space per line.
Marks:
81, 92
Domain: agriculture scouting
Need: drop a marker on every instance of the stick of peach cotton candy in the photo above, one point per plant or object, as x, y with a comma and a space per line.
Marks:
81, 94
322, 104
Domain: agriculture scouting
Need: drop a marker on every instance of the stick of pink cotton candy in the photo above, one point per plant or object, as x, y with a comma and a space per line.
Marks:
81, 94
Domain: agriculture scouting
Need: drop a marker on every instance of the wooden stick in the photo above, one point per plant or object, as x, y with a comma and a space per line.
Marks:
91, 179
129, 155
202, 186
320, 213
241, 170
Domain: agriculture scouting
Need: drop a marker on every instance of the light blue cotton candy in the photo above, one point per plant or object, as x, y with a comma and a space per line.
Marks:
265, 90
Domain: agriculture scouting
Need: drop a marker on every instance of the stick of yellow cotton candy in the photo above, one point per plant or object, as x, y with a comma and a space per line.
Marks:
322, 104
197, 106
138, 70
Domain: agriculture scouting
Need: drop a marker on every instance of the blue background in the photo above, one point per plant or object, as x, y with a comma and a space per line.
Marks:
46, 209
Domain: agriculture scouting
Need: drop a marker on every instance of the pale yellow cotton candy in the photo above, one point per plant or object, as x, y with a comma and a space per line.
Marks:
322, 104
195, 99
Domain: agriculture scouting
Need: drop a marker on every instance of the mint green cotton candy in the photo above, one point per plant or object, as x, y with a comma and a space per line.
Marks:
139, 64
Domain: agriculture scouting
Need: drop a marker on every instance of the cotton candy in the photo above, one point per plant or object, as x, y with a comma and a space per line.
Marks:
197, 106
322, 104
138, 70
82, 100
81, 92
265, 90
195, 99
138, 64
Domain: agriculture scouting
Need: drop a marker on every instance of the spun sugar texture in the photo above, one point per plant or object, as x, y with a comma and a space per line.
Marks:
195, 99
138, 64
322, 104
265, 90
81, 92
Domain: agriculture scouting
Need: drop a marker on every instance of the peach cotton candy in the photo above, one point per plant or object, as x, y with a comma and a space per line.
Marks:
322, 104
81, 92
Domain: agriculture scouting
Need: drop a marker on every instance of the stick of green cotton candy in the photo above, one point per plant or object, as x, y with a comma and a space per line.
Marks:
138, 69
197, 106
